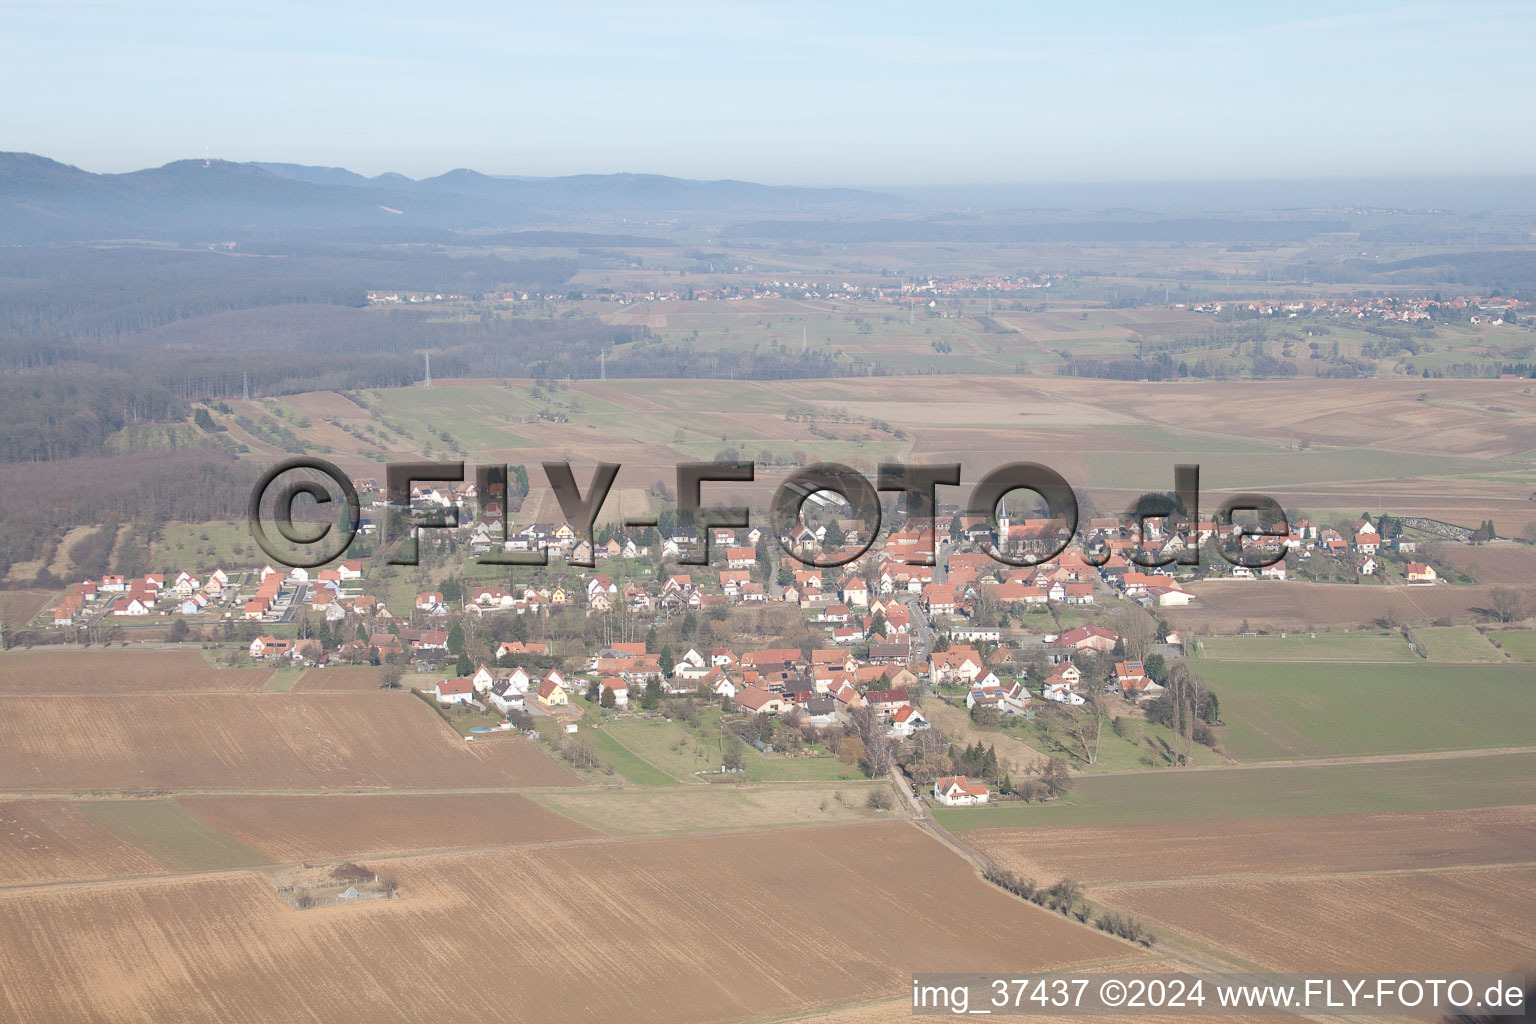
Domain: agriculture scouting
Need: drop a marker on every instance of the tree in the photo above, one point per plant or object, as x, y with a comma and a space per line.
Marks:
651, 699
1506, 604
607, 699
464, 667
455, 638
179, 628
594, 691
734, 753
926, 769
1138, 629
877, 745
1156, 667
834, 538
851, 750
390, 676
652, 643
667, 662
1528, 532
1056, 776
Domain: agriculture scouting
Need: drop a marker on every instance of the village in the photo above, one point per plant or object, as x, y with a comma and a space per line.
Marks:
851, 658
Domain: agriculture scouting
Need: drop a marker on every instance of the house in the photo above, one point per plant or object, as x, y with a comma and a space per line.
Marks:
906, 721
1059, 684
482, 680
957, 791
1367, 543
1421, 572
269, 646
887, 702
552, 694
1366, 566
1167, 597
454, 691
960, 663
515, 647
1093, 638
940, 599
620, 690
1134, 682
758, 700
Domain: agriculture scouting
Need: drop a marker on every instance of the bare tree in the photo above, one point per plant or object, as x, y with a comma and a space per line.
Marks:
1507, 604
877, 745
929, 741
1180, 687
1138, 629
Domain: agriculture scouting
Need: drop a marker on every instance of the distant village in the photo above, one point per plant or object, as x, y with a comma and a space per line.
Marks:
1003, 641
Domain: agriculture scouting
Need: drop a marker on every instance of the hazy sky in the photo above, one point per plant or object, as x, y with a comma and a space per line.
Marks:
882, 94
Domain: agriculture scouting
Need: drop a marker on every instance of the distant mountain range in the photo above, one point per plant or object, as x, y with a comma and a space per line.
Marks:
42, 200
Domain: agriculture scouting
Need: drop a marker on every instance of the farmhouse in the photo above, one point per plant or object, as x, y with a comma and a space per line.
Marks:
956, 791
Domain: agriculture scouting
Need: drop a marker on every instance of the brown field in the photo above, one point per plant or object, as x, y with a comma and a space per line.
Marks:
252, 741
1265, 846
18, 606
1221, 606
291, 828
728, 927
1478, 919
1496, 565
900, 1010
339, 677
49, 840
114, 671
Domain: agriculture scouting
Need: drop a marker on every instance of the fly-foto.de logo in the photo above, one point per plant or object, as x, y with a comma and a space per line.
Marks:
1249, 527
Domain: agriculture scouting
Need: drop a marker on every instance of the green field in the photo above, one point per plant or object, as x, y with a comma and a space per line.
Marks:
711, 808
1520, 644
1455, 643
1296, 711
1373, 645
200, 548
1283, 791
170, 834
624, 761
678, 752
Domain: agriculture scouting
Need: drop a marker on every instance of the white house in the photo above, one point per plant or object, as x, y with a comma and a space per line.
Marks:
907, 721
956, 791
454, 691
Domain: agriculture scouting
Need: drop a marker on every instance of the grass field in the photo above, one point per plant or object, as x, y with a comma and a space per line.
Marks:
172, 835
1436, 784
1279, 712
1519, 644
1372, 645
710, 808
1455, 643
626, 762
678, 751
203, 547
